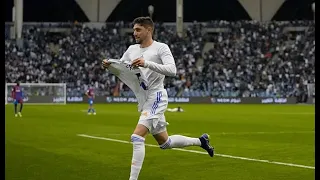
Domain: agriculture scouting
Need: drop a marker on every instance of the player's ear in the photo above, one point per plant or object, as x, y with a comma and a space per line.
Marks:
150, 29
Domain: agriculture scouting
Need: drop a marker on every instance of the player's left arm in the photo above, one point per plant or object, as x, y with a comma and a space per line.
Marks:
168, 66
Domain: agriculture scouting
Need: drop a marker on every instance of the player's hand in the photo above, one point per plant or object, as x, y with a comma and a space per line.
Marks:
105, 64
138, 63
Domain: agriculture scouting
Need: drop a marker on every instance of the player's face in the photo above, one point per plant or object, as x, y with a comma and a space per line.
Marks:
140, 33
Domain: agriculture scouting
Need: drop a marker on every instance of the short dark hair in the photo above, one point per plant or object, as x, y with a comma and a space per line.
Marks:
143, 21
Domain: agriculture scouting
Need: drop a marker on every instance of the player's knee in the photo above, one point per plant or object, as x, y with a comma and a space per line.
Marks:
137, 139
166, 145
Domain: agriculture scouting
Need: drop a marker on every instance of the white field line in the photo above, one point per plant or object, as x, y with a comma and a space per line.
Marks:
233, 133
241, 113
201, 152
266, 132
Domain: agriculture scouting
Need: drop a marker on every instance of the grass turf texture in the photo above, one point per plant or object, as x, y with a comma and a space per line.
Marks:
43, 144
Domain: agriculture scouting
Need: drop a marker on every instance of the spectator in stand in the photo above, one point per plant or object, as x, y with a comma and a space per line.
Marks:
253, 59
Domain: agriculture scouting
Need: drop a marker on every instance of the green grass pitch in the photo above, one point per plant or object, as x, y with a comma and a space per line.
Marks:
44, 143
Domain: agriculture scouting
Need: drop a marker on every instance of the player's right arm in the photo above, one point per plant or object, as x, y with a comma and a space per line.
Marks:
87, 93
121, 71
124, 58
13, 92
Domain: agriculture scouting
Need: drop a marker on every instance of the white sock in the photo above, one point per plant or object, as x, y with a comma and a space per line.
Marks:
137, 156
178, 141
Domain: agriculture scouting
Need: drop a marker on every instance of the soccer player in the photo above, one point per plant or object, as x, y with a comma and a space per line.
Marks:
150, 61
90, 95
17, 96
178, 109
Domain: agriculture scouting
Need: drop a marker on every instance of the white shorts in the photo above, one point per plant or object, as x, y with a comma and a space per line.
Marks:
152, 115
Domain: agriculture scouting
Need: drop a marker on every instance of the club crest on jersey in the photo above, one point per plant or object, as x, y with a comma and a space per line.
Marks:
129, 66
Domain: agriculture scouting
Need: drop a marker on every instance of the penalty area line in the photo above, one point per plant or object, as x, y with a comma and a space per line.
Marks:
201, 152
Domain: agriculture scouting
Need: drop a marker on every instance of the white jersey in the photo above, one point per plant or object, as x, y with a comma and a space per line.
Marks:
145, 81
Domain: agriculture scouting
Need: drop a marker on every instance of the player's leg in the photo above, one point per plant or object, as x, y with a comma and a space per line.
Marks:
92, 109
90, 106
138, 139
21, 107
178, 141
15, 103
159, 130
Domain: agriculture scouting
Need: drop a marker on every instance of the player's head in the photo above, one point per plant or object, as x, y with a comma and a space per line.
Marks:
143, 28
18, 84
